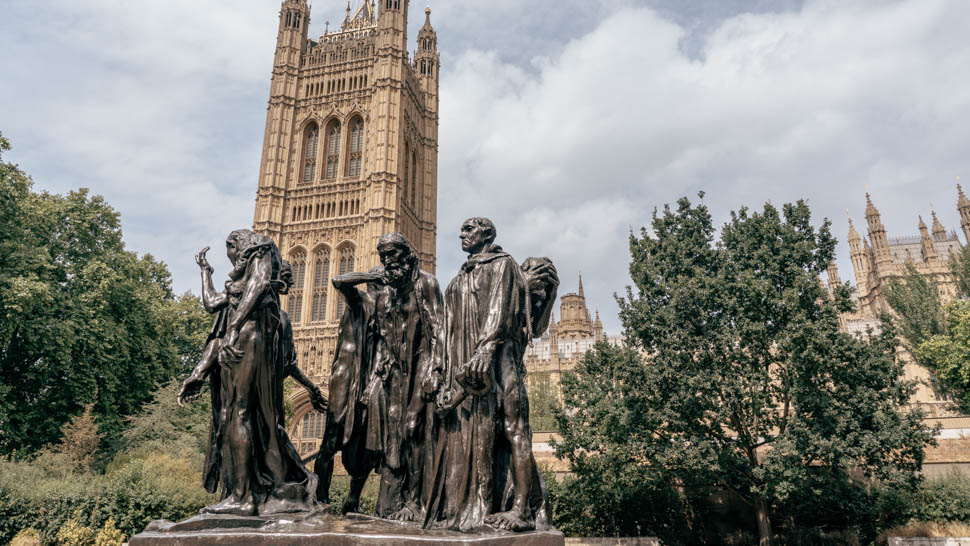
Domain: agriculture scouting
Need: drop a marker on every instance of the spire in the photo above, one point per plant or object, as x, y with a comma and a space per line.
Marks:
427, 20
581, 294
853, 234
939, 232
928, 248
963, 207
870, 208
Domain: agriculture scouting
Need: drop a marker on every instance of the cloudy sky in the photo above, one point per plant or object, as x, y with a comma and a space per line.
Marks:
566, 121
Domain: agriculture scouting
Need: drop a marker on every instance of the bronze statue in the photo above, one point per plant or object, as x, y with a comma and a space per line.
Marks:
383, 382
247, 356
485, 472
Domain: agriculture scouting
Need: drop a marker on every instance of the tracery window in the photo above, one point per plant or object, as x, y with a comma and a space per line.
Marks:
321, 274
356, 148
414, 179
312, 426
333, 149
346, 266
295, 304
310, 153
407, 177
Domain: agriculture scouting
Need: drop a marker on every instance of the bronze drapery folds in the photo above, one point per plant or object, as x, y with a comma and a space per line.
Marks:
247, 356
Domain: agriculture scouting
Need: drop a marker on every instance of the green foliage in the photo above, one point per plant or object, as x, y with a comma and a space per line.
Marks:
162, 427
948, 354
747, 386
79, 441
916, 301
82, 320
134, 494
543, 403
960, 264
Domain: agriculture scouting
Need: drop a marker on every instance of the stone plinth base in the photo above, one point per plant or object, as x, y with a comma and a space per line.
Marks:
322, 527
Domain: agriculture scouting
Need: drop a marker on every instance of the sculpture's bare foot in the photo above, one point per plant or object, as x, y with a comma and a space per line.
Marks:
404, 514
510, 521
351, 506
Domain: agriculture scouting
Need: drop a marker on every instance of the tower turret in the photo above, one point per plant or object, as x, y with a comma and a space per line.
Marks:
392, 25
859, 258
291, 44
926, 242
877, 234
833, 274
291, 41
963, 205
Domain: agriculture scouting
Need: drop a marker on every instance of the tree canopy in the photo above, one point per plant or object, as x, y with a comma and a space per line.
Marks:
739, 380
82, 320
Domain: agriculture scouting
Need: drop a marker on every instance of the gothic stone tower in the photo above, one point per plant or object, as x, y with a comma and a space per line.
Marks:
350, 152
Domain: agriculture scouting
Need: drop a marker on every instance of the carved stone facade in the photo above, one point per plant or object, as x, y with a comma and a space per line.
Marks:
350, 152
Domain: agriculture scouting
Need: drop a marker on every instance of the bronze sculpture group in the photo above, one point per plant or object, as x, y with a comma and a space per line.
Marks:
426, 389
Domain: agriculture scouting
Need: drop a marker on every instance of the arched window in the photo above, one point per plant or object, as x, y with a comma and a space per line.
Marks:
414, 179
310, 152
321, 276
407, 177
312, 426
356, 147
346, 266
333, 148
295, 304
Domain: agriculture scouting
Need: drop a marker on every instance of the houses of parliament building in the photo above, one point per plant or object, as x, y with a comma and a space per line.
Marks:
350, 152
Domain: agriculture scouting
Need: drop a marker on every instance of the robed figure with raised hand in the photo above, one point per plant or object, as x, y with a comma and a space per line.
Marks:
246, 359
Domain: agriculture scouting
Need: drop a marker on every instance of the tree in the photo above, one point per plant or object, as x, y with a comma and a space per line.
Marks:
747, 385
542, 403
915, 300
947, 354
79, 315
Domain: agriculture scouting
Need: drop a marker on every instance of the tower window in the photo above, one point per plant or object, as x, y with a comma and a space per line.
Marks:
321, 273
356, 148
295, 304
288, 20
333, 149
310, 153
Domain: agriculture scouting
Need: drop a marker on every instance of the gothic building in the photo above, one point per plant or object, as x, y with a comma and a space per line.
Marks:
350, 152
564, 343
877, 259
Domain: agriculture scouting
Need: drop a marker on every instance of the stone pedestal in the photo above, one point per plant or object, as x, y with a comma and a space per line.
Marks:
322, 527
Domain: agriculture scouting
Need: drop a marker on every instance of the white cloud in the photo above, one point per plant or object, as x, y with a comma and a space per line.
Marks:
566, 125
814, 104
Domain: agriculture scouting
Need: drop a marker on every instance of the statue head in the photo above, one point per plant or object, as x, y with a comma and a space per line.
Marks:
398, 258
238, 241
477, 234
286, 275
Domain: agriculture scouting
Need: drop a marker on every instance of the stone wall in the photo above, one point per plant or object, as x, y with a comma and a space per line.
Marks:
918, 541
627, 541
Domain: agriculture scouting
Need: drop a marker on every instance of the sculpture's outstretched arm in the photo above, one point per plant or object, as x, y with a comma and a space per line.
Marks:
347, 285
212, 300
